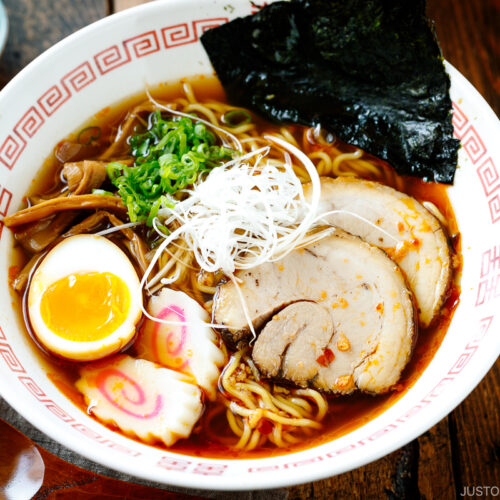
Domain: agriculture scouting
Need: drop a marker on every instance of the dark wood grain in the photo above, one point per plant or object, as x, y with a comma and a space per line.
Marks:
469, 35
461, 450
435, 463
475, 426
421, 469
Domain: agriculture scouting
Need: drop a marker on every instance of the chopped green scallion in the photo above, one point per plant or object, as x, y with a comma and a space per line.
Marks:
169, 156
88, 135
102, 192
236, 117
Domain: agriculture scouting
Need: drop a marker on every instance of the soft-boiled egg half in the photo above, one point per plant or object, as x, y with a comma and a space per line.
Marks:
85, 299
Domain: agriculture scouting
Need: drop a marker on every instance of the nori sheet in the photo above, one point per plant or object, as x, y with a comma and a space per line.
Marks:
370, 71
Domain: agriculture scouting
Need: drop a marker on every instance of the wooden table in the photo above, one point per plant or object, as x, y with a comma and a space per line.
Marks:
461, 450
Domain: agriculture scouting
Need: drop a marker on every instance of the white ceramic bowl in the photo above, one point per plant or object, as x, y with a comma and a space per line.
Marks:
119, 56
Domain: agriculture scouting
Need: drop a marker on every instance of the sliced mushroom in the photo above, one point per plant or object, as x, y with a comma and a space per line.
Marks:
344, 316
21, 280
83, 176
38, 235
408, 233
63, 204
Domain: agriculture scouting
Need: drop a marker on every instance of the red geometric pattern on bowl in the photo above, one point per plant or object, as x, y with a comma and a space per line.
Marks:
177, 464
80, 77
475, 149
10, 359
5, 199
473, 145
25, 129
183, 33
29, 123
109, 59
10, 150
179, 34
489, 279
489, 177
54, 98
494, 206
188, 466
58, 411
143, 44
147, 43
33, 388
182, 465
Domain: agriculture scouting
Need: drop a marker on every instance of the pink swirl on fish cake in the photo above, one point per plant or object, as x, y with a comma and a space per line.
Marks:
102, 379
174, 344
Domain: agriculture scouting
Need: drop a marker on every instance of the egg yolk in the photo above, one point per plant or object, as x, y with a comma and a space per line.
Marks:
85, 307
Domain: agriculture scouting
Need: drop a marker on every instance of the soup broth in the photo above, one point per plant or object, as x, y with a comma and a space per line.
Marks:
212, 436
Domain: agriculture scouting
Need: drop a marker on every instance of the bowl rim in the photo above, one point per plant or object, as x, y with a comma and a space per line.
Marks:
302, 475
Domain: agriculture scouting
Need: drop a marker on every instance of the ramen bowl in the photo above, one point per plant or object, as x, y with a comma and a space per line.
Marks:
122, 55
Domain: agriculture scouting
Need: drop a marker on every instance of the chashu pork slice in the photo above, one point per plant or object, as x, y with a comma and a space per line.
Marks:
336, 315
417, 242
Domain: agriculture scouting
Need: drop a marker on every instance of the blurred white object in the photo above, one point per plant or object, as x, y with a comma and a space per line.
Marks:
21, 466
4, 27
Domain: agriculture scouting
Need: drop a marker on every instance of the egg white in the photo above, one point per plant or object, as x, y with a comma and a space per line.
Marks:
84, 254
